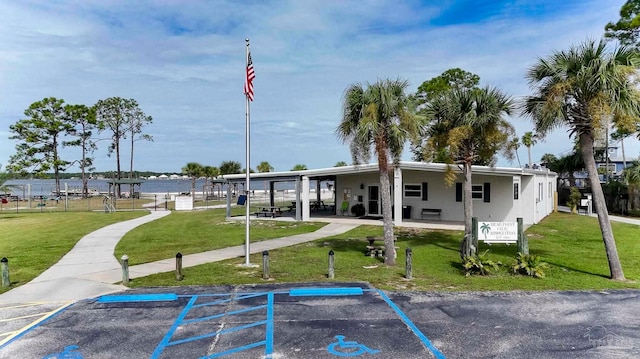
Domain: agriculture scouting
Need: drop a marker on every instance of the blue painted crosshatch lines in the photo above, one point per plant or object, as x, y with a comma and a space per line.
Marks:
242, 324
210, 301
69, 352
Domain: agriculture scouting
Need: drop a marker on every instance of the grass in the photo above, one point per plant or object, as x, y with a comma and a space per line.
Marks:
200, 231
33, 242
570, 244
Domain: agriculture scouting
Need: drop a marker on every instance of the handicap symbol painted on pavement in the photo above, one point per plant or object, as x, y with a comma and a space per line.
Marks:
349, 348
68, 352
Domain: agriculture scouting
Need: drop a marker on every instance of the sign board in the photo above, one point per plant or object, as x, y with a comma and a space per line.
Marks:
499, 232
184, 203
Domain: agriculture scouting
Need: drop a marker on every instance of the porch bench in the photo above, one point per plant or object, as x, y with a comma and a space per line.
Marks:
431, 212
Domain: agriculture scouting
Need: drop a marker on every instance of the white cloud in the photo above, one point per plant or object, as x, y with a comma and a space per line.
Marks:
184, 64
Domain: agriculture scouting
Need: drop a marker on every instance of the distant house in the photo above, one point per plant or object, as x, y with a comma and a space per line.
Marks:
613, 164
163, 176
418, 191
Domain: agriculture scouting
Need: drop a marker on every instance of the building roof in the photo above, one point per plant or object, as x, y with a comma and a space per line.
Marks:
373, 167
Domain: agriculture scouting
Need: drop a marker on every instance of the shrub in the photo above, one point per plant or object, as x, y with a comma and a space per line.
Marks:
358, 210
479, 264
574, 199
527, 264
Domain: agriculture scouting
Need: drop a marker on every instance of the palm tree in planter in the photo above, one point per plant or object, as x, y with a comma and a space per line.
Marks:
581, 89
376, 117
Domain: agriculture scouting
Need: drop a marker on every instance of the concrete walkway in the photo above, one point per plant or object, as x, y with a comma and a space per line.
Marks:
90, 268
190, 260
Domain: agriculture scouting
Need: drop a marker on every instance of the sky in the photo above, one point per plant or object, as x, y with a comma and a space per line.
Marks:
184, 63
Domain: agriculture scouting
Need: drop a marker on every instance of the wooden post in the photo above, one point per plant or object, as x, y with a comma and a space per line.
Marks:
331, 264
179, 275
125, 269
523, 241
5, 272
265, 265
408, 264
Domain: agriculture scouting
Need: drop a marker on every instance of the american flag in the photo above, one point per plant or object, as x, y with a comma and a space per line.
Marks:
248, 81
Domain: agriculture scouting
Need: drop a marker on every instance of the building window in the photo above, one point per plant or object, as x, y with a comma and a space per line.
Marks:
346, 194
412, 190
611, 167
540, 192
477, 191
516, 190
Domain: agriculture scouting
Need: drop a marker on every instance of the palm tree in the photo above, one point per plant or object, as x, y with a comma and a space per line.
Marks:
340, 164
580, 89
514, 144
376, 116
193, 170
528, 140
548, 158
299, 167
467, 126
210, 173
264, 166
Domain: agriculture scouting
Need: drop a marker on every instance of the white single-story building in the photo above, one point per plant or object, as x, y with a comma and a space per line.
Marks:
419, 191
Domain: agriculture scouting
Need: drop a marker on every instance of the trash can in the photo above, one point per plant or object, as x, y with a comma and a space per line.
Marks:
406, 212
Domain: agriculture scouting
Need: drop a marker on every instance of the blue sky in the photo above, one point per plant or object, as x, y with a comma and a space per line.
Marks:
184, 64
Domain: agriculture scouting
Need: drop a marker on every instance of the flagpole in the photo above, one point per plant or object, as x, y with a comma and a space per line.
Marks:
247, 169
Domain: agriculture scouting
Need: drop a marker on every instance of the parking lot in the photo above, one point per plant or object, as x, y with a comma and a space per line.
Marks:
326, 321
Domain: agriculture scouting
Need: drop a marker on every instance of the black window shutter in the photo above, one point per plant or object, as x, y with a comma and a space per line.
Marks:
425, 195
487, 192
458, 192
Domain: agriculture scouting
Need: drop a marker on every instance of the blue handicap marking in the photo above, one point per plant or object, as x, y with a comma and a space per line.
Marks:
68, 352
351, 349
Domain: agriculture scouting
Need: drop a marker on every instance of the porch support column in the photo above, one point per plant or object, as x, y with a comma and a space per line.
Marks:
228, 199
306, 213
318, 197
298, 203
396, 195
272, 199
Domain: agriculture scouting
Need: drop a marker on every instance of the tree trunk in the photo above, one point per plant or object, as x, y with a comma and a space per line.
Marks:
385, 194
529, 153
85, 185
467, 248
624, 158
586, 148
131, 189
56, 170
118, 171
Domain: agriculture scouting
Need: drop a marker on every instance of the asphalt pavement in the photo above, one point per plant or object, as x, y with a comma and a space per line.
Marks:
74, 311
327, 320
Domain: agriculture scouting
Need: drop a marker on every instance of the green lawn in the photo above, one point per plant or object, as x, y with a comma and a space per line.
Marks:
34, 241
570, 244
200, 231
